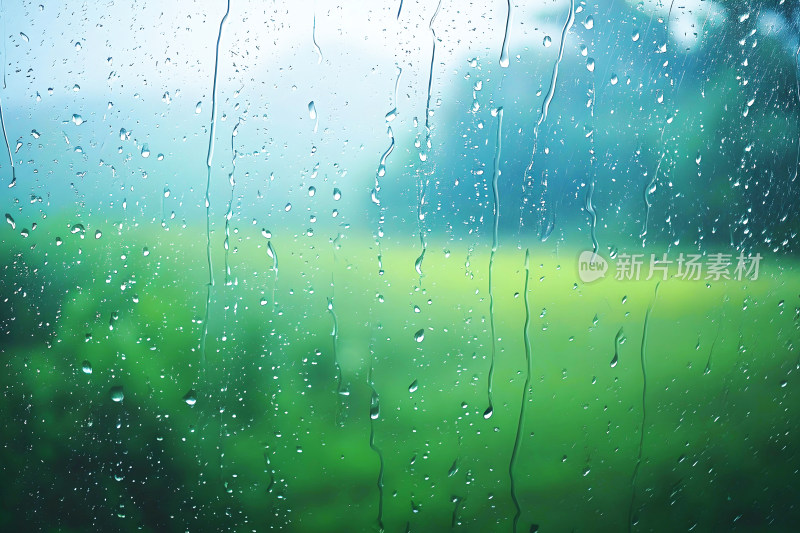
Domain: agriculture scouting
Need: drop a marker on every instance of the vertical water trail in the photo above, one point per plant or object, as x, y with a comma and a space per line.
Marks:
495, 225
720, 319
528, 371
3, 16
209, 159
374, 413
317, 49
5, 137
592, 215
222, 395
423, 153
229, 213
430, 76
2, 120
399, 9
335, 339
649, 189
619, 338
548, 229
593, 163
553, 80
644, 405
504, 49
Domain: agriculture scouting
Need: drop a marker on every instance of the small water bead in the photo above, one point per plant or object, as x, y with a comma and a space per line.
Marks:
86, 367
190, 397
547, 41
117, 394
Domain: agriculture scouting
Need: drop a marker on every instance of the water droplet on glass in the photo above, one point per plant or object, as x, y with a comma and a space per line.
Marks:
413, 387
589, 24
337, 194
487, 414
312, 110
145, 151
77, 119
374, 406
86, 367
635, 35
419, 335
190, 397
547, 41
590, 64
117, 393
198, 108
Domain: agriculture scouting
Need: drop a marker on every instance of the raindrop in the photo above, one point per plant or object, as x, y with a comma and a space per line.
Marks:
337, 194
288, 207
190, 397
635, 35
10, 221
117, 393
614, 79
419, 335
374, 406
145, 151
86, 367
312, 191
547, 42
413, 387
77, 119
198, 108
589, 24
590, 64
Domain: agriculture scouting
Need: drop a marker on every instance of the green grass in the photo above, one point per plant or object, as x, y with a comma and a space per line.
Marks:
719, 447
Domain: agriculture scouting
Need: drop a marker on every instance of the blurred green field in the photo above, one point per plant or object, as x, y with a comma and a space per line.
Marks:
274, 441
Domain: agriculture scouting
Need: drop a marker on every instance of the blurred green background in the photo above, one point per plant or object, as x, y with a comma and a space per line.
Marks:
336, 375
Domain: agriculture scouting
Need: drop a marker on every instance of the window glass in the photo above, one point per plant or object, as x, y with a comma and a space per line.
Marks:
401, 266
